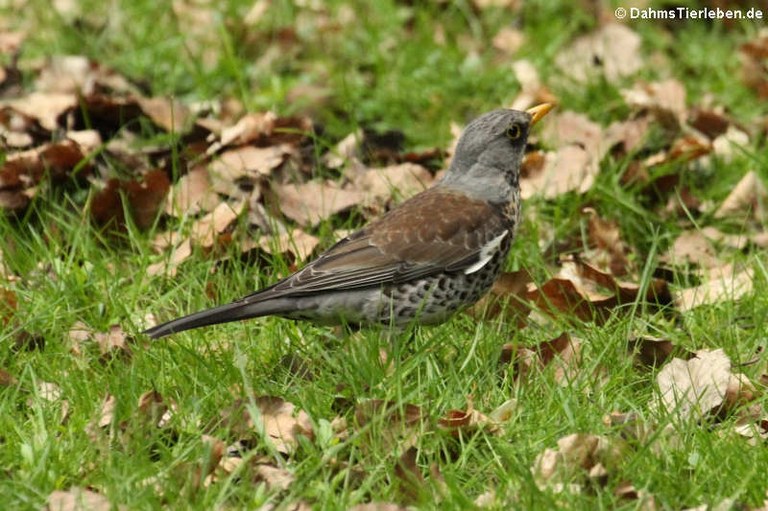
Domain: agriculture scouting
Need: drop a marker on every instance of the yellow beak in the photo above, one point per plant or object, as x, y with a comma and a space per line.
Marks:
539, 111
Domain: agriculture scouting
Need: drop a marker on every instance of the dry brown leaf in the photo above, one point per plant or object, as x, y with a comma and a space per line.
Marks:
78, 333
45, 107
611, 52
51, 393
564, 352
278, 420
249, 162
554, 173
627, 491
310, 203
703, 385
507, 296
395, 424
665, 100
404, 180
754, 65
296, 242
104, 419
470, 421
8, 305
609, 250
730, 144
626, 136
579, 456
712, 123
78, 499
169, 266
650, 351
114, 342
166, 113
692, 247
7, 379
48, 391
508, 40
572, 128
722, 283
206, 230
575, 163
754, 431
248, 128
87, 140
533, 91
275, 478
590, 294
154, 410
145, 199
411, 483
748, 197
345, 152
191, 194
22, 171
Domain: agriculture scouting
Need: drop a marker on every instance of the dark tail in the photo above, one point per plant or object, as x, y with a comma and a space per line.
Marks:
241, 309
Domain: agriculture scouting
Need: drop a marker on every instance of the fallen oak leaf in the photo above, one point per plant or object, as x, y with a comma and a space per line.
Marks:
297, 242
665, 100
144, 198
206, 230
507, 296
582, 457
721, 284
272, 418
564, 352
570, 168
702, 386
154, 410
76, 499
652, 351
605, 239
749, 196
310, 203
7, 379
380, 184
395, 424
590, 294
191, 194
611, 52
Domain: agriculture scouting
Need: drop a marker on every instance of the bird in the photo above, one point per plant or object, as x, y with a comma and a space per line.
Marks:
431, 256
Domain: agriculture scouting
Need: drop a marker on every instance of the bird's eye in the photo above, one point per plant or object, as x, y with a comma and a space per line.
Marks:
514, 131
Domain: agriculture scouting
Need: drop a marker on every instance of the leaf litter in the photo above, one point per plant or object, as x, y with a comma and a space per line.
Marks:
252, 170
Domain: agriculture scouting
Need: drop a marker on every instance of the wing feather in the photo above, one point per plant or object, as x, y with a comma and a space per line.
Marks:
404, 244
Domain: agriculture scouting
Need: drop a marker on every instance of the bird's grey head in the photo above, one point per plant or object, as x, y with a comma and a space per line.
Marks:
486, 164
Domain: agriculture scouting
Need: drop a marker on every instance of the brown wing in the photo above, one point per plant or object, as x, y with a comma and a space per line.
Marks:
435, 231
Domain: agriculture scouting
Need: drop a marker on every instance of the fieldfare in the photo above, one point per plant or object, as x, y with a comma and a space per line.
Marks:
433, 255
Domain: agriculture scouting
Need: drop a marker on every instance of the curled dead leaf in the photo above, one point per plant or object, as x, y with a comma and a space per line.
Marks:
580, 456
279, 421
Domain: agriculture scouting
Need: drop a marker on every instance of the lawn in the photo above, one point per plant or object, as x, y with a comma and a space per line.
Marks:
619, 364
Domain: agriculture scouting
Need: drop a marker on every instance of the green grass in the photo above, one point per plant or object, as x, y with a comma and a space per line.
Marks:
385, 71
